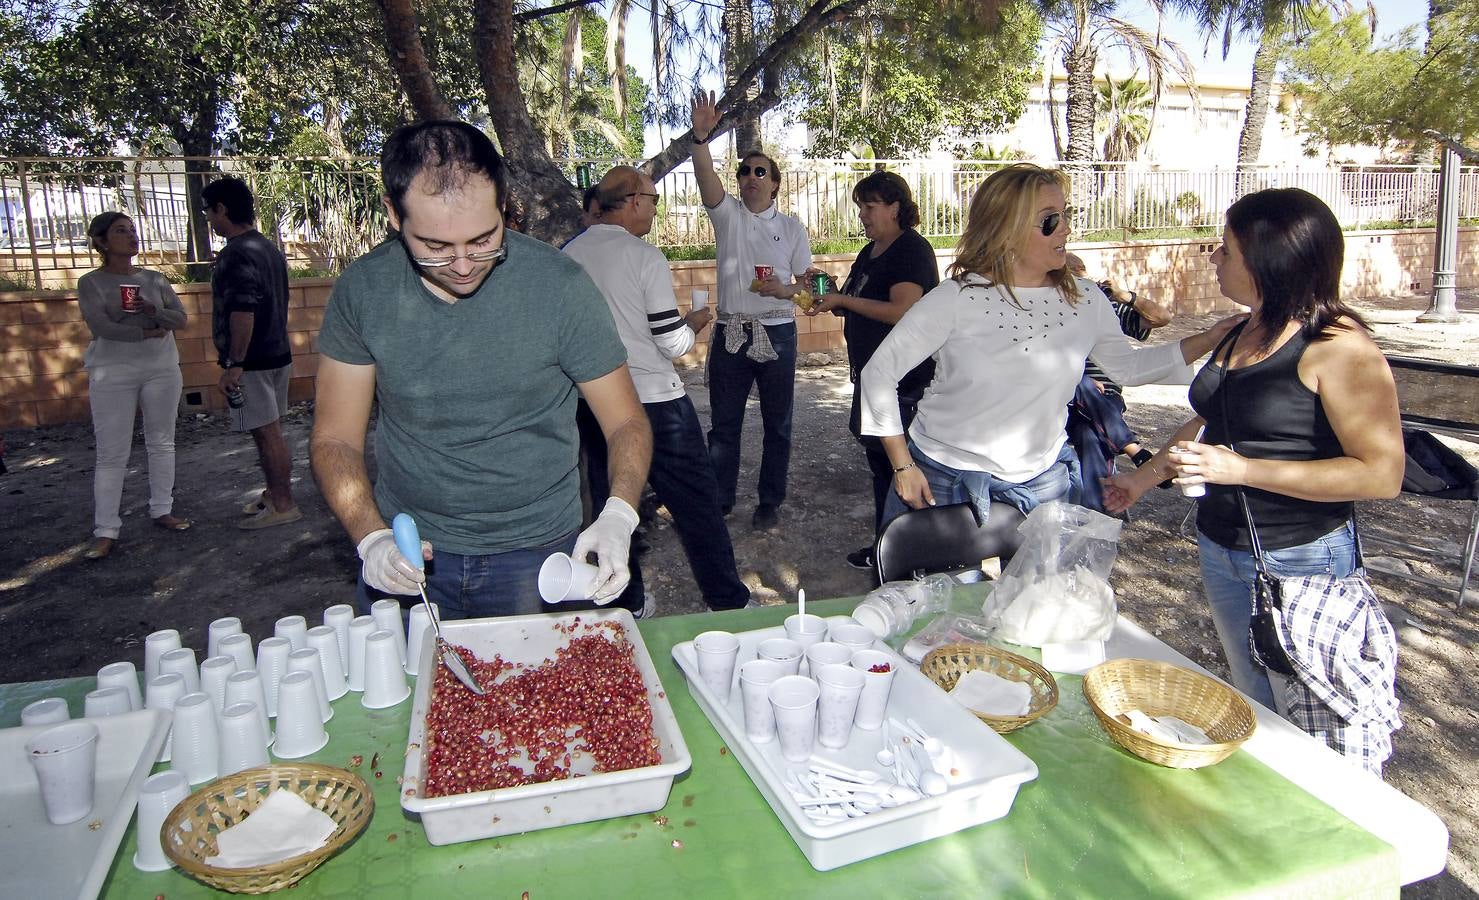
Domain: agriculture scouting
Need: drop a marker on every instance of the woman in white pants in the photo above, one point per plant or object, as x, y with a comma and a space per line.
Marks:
131, 362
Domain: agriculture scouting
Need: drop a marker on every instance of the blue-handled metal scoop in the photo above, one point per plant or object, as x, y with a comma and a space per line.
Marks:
408, 541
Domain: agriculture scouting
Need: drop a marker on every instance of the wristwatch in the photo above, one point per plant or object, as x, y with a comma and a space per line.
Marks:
229, 363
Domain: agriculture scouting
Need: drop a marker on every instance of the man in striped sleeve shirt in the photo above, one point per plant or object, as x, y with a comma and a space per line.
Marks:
634, 277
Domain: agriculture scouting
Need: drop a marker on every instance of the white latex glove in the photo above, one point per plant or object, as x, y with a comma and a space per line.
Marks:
610, 538
385, 568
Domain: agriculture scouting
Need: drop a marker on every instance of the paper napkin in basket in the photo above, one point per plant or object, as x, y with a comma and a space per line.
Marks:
283, 826
991, 694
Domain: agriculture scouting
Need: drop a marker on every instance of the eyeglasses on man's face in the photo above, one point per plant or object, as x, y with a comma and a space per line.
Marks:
1050, 224
653, 197
759, 171
496, 255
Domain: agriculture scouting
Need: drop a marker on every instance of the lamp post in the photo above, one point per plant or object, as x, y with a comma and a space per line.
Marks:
1444, 305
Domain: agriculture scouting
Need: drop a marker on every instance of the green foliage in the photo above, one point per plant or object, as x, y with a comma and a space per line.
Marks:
1123, 109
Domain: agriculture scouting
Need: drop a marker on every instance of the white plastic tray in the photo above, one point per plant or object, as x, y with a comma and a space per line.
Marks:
532, 640
40, 859
989, 769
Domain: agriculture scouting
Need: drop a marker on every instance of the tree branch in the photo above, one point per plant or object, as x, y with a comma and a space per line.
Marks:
1447, 140
531, 14
408, 59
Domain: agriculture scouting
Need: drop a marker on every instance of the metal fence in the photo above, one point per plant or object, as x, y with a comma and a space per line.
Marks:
325, 212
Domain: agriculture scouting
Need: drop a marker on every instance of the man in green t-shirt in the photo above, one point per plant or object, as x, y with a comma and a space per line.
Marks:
475, 341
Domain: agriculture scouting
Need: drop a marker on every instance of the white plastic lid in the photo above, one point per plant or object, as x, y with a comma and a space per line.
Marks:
875, 617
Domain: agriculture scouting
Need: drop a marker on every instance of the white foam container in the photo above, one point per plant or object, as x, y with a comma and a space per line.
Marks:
989, 770
484, 814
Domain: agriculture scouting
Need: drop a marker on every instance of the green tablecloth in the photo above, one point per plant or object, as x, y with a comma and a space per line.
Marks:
1097, 822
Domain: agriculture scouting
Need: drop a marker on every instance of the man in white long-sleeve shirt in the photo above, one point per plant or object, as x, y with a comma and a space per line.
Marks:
634, 277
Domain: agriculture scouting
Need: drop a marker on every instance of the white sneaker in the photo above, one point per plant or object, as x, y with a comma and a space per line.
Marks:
649, 607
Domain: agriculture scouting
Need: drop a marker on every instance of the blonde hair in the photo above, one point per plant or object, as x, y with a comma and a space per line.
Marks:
1005, 204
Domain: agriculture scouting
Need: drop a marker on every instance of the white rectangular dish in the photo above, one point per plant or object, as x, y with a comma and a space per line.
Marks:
40, 859
988, 769
484, 814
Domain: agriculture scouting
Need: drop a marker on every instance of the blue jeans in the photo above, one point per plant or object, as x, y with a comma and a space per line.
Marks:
475, 587
1097, 430
683, 480
1059, 482
1227, 576
730, 378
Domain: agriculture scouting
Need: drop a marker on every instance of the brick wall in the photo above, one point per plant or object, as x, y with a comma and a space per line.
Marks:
42, 335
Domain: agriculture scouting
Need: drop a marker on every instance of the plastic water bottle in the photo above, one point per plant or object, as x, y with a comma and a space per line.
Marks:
892, 608
235, 398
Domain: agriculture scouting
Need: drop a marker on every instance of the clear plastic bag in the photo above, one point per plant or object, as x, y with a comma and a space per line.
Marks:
947, 629
1056, 588
891, 608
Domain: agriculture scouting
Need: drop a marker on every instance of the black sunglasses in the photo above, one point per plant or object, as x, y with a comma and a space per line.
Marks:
760, 171
1050, 224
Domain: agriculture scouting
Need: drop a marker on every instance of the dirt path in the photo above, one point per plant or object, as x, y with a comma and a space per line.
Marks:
61, 615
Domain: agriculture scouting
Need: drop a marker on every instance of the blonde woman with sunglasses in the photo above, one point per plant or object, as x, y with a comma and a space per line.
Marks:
1009, 332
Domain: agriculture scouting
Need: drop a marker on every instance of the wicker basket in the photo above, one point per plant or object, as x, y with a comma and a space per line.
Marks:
944, 665
1158, 689
189, 832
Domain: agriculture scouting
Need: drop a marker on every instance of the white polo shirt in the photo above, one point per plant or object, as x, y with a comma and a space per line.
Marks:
746, 240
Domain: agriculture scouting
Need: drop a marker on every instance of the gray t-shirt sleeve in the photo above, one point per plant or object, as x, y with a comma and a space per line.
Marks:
589, 344
339, 336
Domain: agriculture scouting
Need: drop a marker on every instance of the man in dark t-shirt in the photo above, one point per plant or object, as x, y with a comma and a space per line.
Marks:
249, 323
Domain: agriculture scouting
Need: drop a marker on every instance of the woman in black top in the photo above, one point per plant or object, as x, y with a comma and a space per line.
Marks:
894, 270
1312, 409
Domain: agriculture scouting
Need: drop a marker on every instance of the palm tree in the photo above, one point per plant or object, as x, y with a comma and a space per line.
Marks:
1123, 106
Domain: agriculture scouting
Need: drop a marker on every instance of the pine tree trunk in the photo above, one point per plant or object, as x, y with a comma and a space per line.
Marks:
1250, 141
408, 59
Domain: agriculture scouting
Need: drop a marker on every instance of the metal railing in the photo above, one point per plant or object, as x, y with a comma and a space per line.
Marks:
325, 212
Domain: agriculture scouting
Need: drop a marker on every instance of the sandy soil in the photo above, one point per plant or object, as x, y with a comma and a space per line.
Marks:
61, 615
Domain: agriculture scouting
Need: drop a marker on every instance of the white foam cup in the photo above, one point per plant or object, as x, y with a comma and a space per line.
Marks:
389, 617
700, 299
112, 701
181, 661
784, 651
856, 637
213, 674
416, 635
46, 711
222, 627
359, 629
272, 664
122, 675
65, 760
793, 700
246, 687
308, 660
873, 702
385, 674
161, 693
839, 688
562, 577
239, 648
243, 740
300, 725
294, 628
806, 630
195, 740
325, 640
156, 645
338, 618
755, 678
717, 652
159, 795
826, 654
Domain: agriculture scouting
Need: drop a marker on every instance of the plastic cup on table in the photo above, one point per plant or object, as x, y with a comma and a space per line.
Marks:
239, 648
873, 702
246, 687
784, 651
222, 627
272, 664
46, 711
300, 725
325, 640
109, 701
806, 630
122, 675
359, 629
65, 760
755, 678
159, 795
793, 699
717, 652
837, 704
243, 739
308, 660
181, 661
855, 637
826, 654
294, 628
563, 577
385, 674
388, 617
416, 634
213, 674
156, 645
162, 692
338, 618
195, 740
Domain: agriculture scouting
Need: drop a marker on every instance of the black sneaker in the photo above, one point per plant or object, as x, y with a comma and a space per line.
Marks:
767, 516
861, 558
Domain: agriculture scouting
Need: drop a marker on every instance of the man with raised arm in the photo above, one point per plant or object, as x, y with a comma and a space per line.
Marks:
474, 341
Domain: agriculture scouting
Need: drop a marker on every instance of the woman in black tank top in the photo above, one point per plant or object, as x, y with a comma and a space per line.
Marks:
1311, 409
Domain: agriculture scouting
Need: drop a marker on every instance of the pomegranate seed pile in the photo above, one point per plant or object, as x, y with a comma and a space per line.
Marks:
880, 667
589, 699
